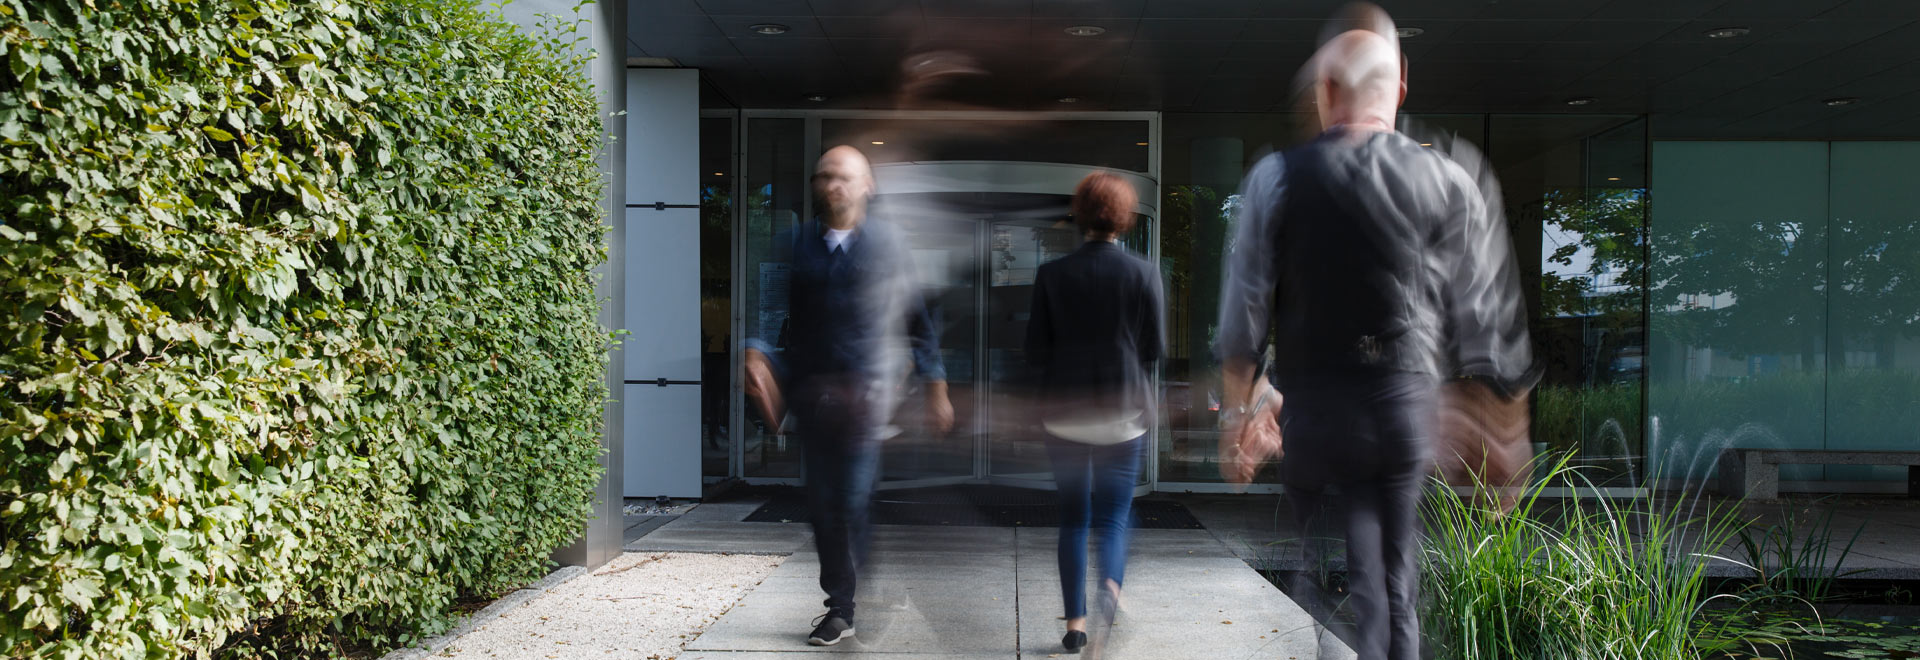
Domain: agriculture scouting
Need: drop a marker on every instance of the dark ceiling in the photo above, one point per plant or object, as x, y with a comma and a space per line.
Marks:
1507, 56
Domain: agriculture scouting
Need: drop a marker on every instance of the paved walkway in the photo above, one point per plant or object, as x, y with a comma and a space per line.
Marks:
989, 593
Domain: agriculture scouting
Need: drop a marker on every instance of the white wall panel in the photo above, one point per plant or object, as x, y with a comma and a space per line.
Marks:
663, 295
663, 440
663, 136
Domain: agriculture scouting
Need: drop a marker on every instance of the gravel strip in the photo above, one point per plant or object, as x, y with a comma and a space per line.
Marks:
642, 605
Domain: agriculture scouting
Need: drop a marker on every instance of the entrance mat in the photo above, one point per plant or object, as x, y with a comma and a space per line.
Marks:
971, 506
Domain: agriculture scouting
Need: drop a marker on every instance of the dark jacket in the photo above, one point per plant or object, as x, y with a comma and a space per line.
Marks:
1096, 331
859, 314
1374, 248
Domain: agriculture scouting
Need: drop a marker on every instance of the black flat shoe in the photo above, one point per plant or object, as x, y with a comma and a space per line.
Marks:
1074, 641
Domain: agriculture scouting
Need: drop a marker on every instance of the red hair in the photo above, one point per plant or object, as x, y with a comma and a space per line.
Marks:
1103, 204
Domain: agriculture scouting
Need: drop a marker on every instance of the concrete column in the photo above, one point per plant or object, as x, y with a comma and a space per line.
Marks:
605, 26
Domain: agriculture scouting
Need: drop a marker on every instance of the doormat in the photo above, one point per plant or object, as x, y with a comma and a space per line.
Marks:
971, 506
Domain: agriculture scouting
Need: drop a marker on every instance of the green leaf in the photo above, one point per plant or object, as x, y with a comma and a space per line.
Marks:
217, 134
80, 592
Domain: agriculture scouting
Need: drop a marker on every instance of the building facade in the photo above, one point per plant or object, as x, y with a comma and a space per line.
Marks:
1712, 201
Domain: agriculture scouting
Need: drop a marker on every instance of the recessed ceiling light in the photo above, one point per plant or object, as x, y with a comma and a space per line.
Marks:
1409, 32
1086, 30
1069, 99
1613, 178
719, 173
1581, 100
768, 28
879, 142
1844, 100
1426, 144
1139, 144
816, 98
1727, 32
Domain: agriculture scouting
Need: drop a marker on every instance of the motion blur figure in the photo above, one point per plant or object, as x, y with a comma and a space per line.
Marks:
1483, 428
855, 320
1355, 248
1094, 334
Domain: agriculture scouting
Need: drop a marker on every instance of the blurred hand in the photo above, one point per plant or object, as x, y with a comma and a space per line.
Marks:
763, 390
1251, 442
939, 409
1484, 441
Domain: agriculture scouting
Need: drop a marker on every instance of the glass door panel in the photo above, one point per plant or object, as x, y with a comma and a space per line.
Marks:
1016, 247
945, 250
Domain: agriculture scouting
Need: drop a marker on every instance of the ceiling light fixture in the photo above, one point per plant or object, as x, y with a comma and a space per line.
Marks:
1844, 100
1139, 144
879, 142
1581, 100
1727, 32
1613, 178
719, 173
1409, 32
1426, 144
816, 98
1086, 30
1069, 99
768, 28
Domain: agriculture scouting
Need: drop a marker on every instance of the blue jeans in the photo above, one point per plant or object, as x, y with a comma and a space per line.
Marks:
1095, 485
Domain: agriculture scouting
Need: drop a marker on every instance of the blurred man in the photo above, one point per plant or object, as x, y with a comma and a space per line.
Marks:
1483, 430
854, 320
1360, 235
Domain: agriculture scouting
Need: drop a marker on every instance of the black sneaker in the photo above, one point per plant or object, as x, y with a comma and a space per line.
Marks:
829, 630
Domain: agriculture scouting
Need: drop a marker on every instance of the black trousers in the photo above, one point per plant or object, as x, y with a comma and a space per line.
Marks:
1356, 464
840, 418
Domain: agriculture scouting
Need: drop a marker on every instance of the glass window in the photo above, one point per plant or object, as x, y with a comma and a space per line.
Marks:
716, 292
1576, 203
1740, 310
1203, 157
773, 198
1873, 348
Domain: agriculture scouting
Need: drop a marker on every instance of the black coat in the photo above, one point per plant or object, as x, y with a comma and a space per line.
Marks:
1096, 330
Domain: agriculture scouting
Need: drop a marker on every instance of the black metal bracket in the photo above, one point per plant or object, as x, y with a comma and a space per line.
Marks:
662, 382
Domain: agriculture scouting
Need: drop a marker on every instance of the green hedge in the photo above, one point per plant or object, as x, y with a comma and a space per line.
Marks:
299, 318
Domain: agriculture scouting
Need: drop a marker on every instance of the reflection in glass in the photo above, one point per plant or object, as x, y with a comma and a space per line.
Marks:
773, 191
1873, 374
1739, 294
716, 293
1575, 190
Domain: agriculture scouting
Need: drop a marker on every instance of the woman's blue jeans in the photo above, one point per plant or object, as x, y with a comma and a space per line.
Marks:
1095, 485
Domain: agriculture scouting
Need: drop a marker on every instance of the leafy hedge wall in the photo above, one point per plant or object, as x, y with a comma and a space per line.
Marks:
300, 339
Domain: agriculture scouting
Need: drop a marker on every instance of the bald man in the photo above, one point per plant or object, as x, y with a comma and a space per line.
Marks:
855, 320
1346, 246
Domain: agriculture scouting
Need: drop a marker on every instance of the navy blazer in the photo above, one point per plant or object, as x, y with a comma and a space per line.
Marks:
1096, 330
859, 313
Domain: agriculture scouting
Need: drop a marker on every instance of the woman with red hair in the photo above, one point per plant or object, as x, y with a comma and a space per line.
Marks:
1094, 335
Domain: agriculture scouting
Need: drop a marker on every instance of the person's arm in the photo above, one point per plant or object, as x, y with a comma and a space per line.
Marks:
923, 333
1246, 300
